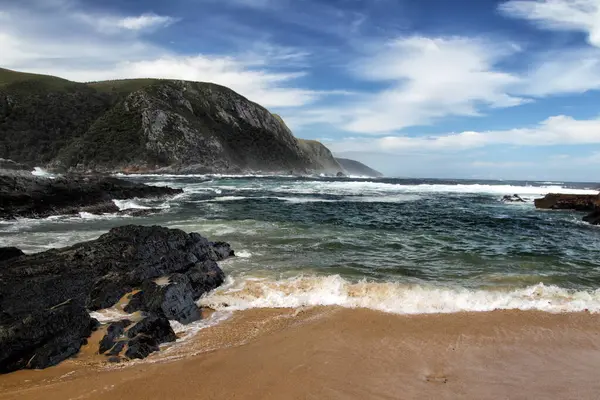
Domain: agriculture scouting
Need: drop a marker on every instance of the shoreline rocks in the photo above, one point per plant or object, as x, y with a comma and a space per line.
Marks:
34, 197
45, 298
576, 202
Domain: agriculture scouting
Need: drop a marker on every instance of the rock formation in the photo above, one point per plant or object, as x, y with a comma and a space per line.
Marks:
576, 202
45, 297
357, 168
32, 197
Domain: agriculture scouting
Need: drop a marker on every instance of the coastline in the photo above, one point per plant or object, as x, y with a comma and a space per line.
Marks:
331, 352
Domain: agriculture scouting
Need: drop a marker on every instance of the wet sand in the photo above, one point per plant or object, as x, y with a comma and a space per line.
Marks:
334, 353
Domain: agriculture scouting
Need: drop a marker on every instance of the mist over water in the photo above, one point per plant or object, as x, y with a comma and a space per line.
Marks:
403, 246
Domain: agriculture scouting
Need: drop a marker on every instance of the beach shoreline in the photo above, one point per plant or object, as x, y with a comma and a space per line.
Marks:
339, 353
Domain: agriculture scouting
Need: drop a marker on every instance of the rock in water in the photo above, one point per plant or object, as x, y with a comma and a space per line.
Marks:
593, 218
577, 202
515, 198
43, 297
33, 197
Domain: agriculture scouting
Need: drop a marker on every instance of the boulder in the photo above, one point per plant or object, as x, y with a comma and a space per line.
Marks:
205, 277
154, 326
141, 346
173, 300
44, 337
7, 253
44, 296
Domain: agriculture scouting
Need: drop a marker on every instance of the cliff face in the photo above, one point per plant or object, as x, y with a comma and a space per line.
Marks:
146, 125
357, 168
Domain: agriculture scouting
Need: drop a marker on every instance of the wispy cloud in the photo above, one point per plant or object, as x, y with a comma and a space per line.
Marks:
568, 15
110, 24
554, 131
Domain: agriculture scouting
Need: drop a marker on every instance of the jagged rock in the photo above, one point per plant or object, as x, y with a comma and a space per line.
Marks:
340, 175
155, 326
141, 347
7, 253
95, 274
34, 197
205, 277
116, 349
113, 332
577, 202
515, 198
43, 337
593, 218
173, 300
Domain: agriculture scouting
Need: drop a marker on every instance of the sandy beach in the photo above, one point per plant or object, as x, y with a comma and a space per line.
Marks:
336, 353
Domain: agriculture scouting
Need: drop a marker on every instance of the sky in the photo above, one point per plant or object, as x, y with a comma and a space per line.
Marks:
480, 89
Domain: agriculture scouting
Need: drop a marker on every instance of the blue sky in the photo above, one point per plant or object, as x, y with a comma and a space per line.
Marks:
415, 88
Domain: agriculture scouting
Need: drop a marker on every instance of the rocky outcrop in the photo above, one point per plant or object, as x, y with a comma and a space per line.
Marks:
8, 253
320, 156
515, 198
357, 168
576, 202
33, 197
45, 297
146, 125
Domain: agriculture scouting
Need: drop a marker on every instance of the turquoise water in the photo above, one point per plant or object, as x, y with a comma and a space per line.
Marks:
385, 243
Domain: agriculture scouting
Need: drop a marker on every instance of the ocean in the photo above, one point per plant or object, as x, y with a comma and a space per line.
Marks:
404, 246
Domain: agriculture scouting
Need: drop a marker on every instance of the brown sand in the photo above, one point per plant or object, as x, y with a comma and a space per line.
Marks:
333, 353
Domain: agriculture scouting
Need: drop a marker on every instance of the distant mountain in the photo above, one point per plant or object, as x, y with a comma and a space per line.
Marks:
146, 125
357, 168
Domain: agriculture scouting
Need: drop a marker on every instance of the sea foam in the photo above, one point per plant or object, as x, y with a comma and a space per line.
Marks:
393, 297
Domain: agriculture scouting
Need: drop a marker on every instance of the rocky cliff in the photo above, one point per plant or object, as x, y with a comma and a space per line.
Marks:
357, 168
146, 125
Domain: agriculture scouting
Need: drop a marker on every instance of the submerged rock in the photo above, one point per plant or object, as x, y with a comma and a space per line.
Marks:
113, 332
44, 296
593, 218
515, 198
33, 197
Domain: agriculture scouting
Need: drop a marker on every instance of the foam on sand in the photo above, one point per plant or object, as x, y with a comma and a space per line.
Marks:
392, 297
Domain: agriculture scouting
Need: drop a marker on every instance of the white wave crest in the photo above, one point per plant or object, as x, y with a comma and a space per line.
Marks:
37, 171
393, 297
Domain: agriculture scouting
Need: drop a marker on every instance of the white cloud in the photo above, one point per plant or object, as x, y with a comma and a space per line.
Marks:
557, 130
85, 54
425, 79
115, 24
568, 15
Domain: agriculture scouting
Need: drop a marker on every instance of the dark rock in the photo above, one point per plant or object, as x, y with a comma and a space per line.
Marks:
205, 277
577, 202
113, 332
222, 251
174, 300
114, 359
155, 326
44, 337
117, 348
95, 274
8, 253
141, 347
34, 197
593, 218
340, 175
515, 198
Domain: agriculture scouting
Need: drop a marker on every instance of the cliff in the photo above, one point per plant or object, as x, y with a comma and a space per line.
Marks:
357, 168
146, 125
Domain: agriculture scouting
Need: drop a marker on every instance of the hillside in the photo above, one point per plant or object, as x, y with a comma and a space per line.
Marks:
357, 168
146, 125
